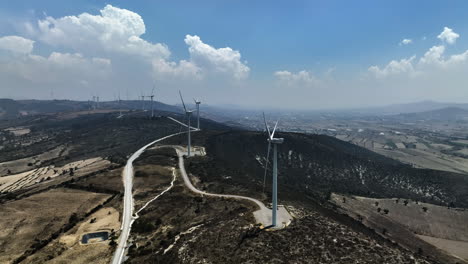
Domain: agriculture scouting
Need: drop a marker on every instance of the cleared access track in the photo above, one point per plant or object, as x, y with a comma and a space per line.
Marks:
262, 216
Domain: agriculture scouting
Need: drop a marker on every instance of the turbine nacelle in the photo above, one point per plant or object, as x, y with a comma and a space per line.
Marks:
276, 140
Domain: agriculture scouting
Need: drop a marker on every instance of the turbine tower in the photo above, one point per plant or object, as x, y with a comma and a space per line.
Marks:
143, 103
275, 141
152, 105
120, 107
94, 103
198, 102
189, 114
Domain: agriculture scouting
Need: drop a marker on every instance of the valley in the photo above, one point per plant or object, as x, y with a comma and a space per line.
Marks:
75, 160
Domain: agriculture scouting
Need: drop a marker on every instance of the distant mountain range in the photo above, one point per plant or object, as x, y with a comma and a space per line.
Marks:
423, 106
425, 110
447, 113
15, 108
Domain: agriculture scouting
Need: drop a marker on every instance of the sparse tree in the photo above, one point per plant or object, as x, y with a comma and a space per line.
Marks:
385, 211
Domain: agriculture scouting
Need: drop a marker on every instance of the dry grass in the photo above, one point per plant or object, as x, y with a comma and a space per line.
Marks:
67, 248
26, 179
456, 248
39, 216
25, 164
440, 226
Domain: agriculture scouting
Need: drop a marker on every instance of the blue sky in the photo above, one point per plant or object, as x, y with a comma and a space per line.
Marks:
319, 37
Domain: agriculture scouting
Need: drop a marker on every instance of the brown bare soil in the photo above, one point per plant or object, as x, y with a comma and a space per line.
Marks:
405, 221
39, 217
68, 249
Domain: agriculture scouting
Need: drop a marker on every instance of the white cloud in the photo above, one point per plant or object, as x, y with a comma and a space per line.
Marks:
433, 56
107, 51
402, 66
406, 42
301, 78
222, 60
184, 69
16, 44
432, 61
58, 67
205, 61
115, 30
448, 36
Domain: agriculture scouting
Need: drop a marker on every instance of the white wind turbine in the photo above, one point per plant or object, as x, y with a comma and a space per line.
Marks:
152, 105
197, 103
275, 141
142, 103
120, 107
188, 113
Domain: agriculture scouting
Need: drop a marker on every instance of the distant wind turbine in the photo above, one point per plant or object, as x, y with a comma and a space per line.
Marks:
152, 103
120, 107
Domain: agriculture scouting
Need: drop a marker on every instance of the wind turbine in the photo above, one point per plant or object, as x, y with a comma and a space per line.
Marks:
189, 114
275, 141
120, 107
142, 103
198, 102
152, 105
94, 103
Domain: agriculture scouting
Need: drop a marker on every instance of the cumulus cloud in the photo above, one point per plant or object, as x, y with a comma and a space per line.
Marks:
448, 36
406, 42
107, 51
184, 69
205, 61
114, 30
433, 56
16, 44
394, 67
222, 60
301, 78
57, 67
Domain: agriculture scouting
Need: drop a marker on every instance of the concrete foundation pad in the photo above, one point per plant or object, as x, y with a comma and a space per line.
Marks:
264, 215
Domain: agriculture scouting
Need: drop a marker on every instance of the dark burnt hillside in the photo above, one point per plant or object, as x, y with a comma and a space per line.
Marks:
318, 165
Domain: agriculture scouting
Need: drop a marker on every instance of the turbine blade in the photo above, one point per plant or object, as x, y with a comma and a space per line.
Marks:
266, 164
274, 129
182, 101
266, 126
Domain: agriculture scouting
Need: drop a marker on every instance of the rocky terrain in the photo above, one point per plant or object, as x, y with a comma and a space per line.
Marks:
182, 227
